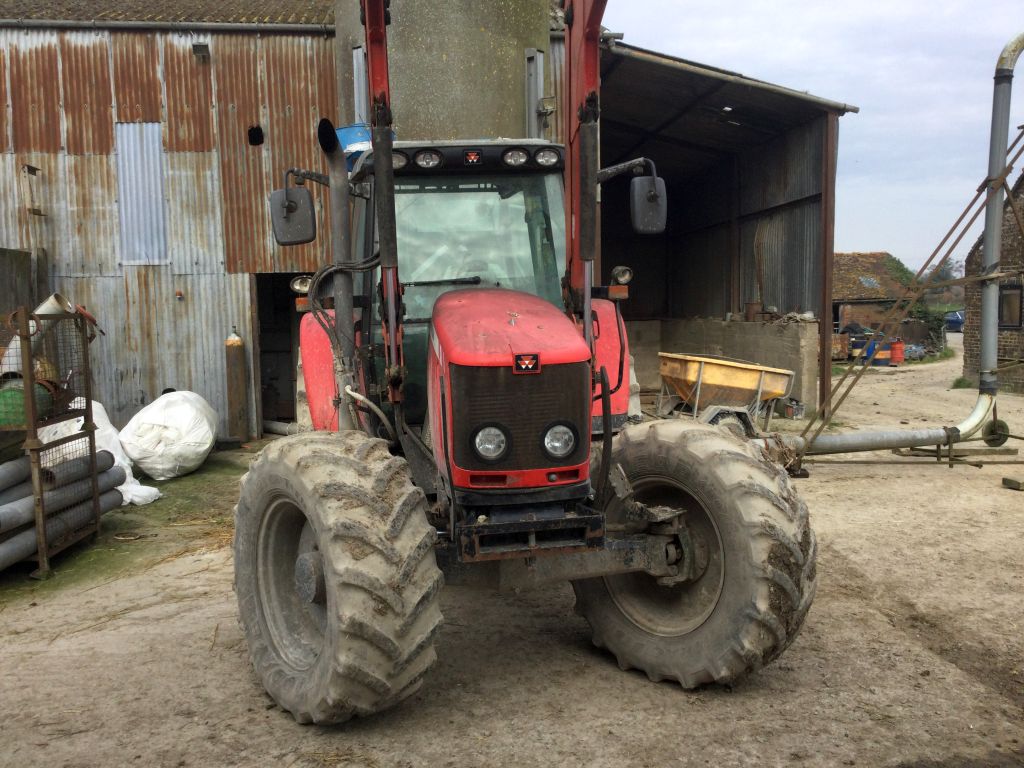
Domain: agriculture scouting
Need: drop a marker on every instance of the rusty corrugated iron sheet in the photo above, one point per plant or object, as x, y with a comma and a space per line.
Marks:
194, 242
88, 101
244, 179
155, 340
5, 122
40, 208
35, 92
10, 234
137, 89
92, 218
16, 273
291, 96
789, 241
786, 169
189, 89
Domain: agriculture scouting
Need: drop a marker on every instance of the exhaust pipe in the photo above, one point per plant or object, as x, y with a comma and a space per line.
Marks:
990, 253
341, 247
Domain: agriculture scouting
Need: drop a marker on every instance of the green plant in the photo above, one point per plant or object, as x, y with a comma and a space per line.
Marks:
898, 270
962, 382
934, 320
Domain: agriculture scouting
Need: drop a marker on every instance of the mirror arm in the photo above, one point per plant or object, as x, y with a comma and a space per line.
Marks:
300, 173
617, 170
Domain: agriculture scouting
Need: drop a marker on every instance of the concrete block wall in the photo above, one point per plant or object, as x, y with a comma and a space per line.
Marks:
784, 345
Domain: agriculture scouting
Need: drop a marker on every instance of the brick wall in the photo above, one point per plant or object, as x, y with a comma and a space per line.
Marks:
867, 315
1011, 342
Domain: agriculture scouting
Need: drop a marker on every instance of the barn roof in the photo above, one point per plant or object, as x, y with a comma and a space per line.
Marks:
202, 11
866, 276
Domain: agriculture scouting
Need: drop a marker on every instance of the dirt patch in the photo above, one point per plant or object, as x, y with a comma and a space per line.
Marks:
195, 513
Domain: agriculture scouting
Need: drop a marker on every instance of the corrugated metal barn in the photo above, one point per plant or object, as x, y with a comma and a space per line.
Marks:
131, 160
129, 157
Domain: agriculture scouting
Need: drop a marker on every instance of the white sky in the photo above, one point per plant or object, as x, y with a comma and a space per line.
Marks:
921, 74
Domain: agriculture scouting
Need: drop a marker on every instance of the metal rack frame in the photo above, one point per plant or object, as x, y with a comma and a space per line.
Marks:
26, 326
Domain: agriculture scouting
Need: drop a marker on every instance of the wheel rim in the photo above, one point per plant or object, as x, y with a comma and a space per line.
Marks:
295, 618
681, 608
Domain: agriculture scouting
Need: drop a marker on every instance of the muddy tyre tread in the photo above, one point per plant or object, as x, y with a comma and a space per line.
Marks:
780, 560
379, 568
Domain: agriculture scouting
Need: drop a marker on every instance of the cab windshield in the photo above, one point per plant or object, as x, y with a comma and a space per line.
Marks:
466, 231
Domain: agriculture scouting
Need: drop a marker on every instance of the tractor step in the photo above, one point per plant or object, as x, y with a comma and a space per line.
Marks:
498, 534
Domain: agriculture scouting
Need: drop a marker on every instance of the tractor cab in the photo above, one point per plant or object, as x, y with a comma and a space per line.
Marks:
489, 215
469, 215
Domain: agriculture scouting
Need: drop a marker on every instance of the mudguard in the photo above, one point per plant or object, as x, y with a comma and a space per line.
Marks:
611, 350
318, 372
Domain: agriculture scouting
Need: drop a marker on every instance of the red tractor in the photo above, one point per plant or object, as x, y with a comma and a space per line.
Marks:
469, 387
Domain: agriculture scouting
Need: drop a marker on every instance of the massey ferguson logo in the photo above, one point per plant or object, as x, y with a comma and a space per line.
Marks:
527, 364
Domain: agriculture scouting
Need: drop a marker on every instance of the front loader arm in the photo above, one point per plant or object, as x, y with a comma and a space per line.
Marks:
581, 109
376, 16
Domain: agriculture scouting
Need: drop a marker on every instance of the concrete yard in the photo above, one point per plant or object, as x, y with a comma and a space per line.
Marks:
912, 654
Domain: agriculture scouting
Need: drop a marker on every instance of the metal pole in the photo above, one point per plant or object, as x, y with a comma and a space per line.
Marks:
992, 243
828, 198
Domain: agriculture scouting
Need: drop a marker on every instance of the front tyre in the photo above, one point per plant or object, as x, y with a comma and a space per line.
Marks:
335, 575
757, 577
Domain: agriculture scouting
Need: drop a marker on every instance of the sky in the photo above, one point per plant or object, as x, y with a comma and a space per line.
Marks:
921, 74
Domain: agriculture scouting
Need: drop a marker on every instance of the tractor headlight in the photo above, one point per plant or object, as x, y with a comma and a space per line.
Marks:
559, 441
300, 284
490, 443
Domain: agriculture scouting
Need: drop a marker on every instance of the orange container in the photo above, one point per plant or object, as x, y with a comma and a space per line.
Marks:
898, 352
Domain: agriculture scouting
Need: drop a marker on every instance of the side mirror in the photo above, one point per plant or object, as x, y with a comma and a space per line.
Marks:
648, 206
293, 216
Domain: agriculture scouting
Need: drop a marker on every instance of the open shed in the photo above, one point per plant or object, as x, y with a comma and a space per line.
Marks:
750, 172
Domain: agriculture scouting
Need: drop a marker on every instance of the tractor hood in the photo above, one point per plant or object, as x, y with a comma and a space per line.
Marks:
490, 327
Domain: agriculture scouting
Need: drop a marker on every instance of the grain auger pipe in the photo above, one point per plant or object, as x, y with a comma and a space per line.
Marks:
990, 253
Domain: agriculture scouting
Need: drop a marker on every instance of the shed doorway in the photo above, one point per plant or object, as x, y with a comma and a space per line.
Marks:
278, 349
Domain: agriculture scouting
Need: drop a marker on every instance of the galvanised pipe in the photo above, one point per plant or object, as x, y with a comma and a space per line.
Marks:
23, 510
24, 544
893, 438
991, 249
14, 472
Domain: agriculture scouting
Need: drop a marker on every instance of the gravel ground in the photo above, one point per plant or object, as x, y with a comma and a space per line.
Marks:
912, 653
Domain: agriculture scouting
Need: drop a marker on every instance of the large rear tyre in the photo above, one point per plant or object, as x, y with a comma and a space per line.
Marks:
758, 552
335, 576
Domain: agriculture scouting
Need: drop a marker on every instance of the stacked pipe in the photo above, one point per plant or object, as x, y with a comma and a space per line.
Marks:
66, 498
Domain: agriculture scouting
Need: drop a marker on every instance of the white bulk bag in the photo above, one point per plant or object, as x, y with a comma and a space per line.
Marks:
171, 436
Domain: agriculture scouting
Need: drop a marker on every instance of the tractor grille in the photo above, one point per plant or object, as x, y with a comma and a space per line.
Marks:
525, 405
